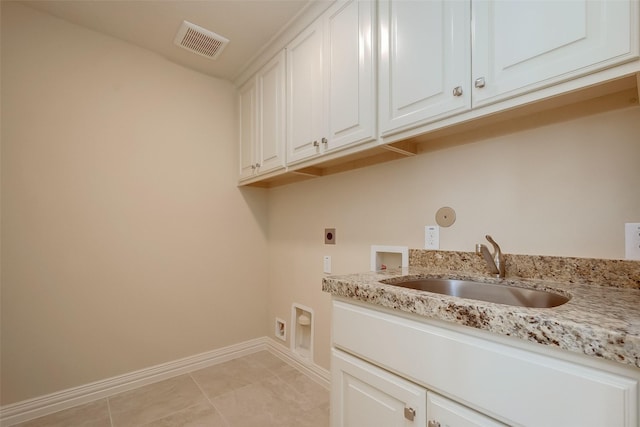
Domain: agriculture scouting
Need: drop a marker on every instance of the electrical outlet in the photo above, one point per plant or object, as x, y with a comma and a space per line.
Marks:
632, 240
327, 264
431, 237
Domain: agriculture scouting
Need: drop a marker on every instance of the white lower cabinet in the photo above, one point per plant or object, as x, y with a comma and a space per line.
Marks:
390, 370
443, 412
365, 395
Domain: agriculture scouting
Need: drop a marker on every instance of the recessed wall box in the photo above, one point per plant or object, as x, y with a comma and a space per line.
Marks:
302, 332
383, 257
281, 329
329, 236
632, 240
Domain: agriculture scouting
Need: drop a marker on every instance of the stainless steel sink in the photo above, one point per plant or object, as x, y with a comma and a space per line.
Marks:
500, 294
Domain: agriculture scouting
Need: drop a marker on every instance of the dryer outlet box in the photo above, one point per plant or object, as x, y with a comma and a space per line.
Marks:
329, 236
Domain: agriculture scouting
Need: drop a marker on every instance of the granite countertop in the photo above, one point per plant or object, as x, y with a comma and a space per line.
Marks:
598, 321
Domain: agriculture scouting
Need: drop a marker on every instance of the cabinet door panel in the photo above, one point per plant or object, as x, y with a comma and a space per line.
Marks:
248, 113
271, 132
350, 73
525, 45
305, 99
424, 55
449, 413
363, 395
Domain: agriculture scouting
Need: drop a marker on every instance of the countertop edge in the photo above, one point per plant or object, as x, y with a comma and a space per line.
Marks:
580, 326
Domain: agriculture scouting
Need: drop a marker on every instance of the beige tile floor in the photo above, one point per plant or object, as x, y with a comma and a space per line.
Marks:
255, 390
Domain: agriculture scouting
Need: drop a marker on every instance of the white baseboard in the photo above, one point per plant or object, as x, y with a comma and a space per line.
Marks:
65, 399
310, 369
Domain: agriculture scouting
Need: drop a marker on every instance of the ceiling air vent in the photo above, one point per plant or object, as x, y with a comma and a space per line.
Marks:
200, 41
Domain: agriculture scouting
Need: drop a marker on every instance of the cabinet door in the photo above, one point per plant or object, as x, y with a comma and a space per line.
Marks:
444, 412
525, 45
364, 395
271, 115
350, 73
248, 113
424, 55
305, 128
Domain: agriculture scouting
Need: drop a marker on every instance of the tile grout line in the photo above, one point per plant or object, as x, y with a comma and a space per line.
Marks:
168, 415
295, 390
209, 400
183, 409
109, 410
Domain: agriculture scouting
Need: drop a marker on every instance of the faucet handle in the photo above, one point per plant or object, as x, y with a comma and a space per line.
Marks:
498, 258
496, 248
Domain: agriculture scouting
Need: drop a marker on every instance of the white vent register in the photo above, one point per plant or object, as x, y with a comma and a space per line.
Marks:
200, 40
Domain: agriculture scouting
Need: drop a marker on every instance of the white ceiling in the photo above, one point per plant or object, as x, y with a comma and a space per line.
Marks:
152, 24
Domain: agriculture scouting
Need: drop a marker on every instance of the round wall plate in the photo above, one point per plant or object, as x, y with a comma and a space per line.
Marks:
445, 216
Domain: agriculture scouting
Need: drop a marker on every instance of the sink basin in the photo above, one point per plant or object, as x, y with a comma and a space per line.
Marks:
500, 294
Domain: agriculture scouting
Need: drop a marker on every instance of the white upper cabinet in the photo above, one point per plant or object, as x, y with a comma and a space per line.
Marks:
520, 46
248, 113
351, 73
443, 57
368, 73
262, 118
305, 109
271, 114
331, 82
424, 62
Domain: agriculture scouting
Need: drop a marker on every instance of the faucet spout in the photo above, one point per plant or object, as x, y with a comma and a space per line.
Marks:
495, 260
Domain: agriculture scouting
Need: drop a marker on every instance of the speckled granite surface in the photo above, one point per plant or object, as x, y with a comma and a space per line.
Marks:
600, 272
602, 318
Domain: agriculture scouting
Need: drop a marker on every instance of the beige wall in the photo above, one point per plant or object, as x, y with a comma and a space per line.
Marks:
560, 183
125, 241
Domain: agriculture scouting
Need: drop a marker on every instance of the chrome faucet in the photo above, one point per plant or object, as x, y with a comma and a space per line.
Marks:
495, 260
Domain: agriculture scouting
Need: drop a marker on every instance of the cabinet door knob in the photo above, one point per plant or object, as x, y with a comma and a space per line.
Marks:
324, 140
457, 91
480, 83
409, 413
316, 144
257, 165
253, 166
433, 424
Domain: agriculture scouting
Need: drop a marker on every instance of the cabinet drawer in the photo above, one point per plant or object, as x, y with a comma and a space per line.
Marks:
444, 412
364, 395
511, 384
